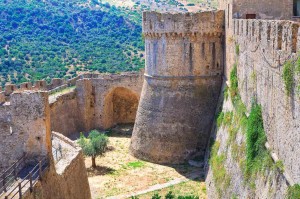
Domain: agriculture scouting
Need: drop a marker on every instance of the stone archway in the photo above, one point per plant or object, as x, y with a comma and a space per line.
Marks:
120, 107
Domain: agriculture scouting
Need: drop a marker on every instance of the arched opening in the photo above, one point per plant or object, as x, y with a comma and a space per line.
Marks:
120, 106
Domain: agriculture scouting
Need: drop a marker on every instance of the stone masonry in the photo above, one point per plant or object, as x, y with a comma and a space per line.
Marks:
184, 64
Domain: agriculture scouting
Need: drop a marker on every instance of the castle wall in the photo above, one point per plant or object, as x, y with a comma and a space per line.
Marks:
95, 96
65, 117
264, 47
184, 63
24, 127
267, 9
260, 48
98, 102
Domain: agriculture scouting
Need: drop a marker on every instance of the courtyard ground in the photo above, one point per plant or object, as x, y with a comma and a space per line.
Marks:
120, 175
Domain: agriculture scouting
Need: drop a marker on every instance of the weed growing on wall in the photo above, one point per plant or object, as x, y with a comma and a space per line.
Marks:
221, 178
294, 192
288, 77
258, 158
220, 119
233, 83
237, 49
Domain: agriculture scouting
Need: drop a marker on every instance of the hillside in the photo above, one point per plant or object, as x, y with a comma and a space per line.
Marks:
42, 40
52, 38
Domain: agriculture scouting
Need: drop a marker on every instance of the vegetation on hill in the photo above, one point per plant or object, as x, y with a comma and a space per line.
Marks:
52, 38
45, 39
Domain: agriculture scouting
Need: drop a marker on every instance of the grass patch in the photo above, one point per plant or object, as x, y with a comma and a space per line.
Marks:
288, 77
257, 156
226, 93
135, 165
220, 119
189, 189
279, 165
64, 91
221, 179
293, 192
234, 86
237, 49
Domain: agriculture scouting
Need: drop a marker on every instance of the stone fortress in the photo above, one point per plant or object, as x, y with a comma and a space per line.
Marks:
173, 102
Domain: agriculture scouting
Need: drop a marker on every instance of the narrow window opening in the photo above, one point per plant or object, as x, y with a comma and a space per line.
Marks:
279, 37
250, 16
294, 37
296, 7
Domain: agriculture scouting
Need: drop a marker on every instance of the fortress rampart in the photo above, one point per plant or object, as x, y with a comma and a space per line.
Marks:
99, 101
24, 123
184, 64
265, 46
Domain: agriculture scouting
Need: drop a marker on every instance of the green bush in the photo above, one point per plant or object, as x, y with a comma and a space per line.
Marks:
188, 197
170, 195
294, 192
288, 77
156, 196
279, 165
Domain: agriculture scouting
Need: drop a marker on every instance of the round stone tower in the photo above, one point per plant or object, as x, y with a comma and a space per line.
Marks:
183, 77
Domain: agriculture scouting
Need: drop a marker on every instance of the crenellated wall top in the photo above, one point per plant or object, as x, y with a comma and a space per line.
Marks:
210, 23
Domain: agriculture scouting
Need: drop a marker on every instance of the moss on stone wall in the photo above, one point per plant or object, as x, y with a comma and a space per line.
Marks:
220, 176
294, 192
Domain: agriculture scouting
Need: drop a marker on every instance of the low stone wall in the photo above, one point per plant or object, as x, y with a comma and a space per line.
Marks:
64, 114
67, 179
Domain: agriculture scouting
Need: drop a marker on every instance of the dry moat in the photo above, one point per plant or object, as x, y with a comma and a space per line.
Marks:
119, 175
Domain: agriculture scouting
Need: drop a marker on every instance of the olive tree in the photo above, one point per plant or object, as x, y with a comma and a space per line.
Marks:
94, 145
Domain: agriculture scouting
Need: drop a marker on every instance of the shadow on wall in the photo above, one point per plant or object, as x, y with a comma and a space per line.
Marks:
120, 106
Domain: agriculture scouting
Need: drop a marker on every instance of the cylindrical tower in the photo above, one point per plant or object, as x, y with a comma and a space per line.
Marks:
183, 77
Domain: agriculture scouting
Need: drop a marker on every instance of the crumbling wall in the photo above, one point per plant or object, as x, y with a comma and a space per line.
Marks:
24, 127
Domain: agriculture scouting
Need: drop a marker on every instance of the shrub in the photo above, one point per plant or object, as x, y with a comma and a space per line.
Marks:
156, 196
170, 195
294, 192
188, 197
288, 77
279, 165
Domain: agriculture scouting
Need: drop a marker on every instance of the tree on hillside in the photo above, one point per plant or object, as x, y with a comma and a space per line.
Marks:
94, 145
